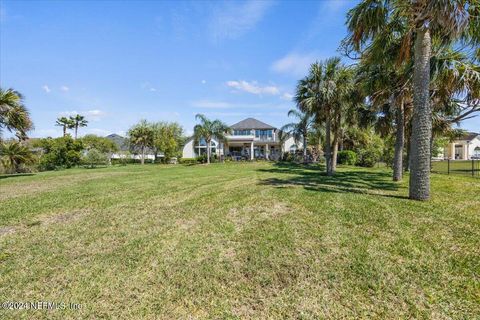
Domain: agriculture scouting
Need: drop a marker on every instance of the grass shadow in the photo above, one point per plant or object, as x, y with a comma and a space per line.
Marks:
15, 175
313, 177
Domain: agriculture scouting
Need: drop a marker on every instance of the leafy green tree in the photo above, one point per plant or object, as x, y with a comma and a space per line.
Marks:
13, 155
14, 116
141, 136
425, 21
299, 129
65, 123
95, 157
209, 129
168, 137
78, 121
60, 153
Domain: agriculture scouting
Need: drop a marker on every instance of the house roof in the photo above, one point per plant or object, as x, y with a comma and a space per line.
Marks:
468, 136
251, 123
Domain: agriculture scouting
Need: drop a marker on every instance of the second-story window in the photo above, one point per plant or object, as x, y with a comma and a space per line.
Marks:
264, 134
242, 132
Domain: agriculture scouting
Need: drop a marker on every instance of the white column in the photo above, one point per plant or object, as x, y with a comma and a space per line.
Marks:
251, 151
267, 152
452, 151
465, 151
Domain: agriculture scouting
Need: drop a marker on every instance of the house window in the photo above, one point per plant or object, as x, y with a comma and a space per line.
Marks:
264, 134
476, 152
242, 132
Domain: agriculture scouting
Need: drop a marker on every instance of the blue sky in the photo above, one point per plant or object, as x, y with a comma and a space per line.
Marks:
118, 61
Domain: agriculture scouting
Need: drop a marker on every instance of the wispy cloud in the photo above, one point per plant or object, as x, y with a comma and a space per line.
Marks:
253, 87
64, 88
233, 19
294, 64
148, 86
46, 88
287, 96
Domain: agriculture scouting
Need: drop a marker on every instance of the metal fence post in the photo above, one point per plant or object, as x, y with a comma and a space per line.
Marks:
473, 167
448, 165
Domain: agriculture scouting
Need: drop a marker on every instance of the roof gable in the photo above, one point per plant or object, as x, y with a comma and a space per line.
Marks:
251, 123
469, 136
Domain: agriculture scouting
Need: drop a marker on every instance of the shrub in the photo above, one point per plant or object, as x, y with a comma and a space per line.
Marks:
60, 153
368, 157
94, 157
187, 161
347, 157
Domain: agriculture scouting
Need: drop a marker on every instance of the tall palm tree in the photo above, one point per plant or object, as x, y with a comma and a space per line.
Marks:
65, 123
445, 21
209, 129
78, 121
299, 129
13, 114
14, 154
142, 136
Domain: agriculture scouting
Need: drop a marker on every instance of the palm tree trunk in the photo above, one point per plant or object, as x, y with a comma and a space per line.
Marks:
208, 152
143, 155
64, 131
335, 152
304, 149
399, 143
76, 130
422, 119
328, 146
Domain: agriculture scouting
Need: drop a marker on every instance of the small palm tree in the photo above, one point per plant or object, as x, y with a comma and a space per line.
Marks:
13, 155
13, 114
78, 121
65, 123
208, 129
299, 129
142, 135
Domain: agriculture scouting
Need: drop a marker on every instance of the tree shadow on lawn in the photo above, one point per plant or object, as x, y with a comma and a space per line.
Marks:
15, 175
313, 177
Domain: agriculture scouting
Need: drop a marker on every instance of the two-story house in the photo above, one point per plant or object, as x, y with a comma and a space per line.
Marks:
249, 139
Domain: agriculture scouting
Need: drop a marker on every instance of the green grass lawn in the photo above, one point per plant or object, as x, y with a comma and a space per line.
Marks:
457, 167
239, 240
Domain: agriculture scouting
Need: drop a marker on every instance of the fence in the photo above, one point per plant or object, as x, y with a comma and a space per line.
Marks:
465, 167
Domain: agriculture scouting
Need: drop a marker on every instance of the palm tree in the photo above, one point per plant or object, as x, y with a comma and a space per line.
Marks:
208, 129
78, 121
444, 21
141, 135
327, 93
299, 129
65, 123
13, 114
14, 154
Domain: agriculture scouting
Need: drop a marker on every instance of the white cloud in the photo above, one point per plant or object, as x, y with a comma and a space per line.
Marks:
46, 88
287, 96
253, 87
208, 104
233, 19
64, 88
90, 115
204, 81
294, 64
148, 86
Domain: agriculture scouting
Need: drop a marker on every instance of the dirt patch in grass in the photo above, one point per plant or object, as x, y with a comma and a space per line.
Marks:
241, 216
6, 230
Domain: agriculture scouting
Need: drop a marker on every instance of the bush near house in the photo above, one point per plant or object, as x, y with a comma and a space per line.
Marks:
94, 158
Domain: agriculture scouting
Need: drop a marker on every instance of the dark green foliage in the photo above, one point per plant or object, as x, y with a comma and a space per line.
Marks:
58, 153
347, 157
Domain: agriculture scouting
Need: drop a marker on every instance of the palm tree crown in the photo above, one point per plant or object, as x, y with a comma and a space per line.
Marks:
209, 129
78, 121
13, 114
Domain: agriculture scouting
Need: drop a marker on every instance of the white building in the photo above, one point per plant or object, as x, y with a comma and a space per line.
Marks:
464, 148
250, 139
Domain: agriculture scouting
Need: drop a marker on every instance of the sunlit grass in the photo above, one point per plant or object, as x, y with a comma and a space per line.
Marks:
251, 240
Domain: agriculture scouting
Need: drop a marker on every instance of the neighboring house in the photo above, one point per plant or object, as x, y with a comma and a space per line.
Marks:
125, 150
250, 139
464, 148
